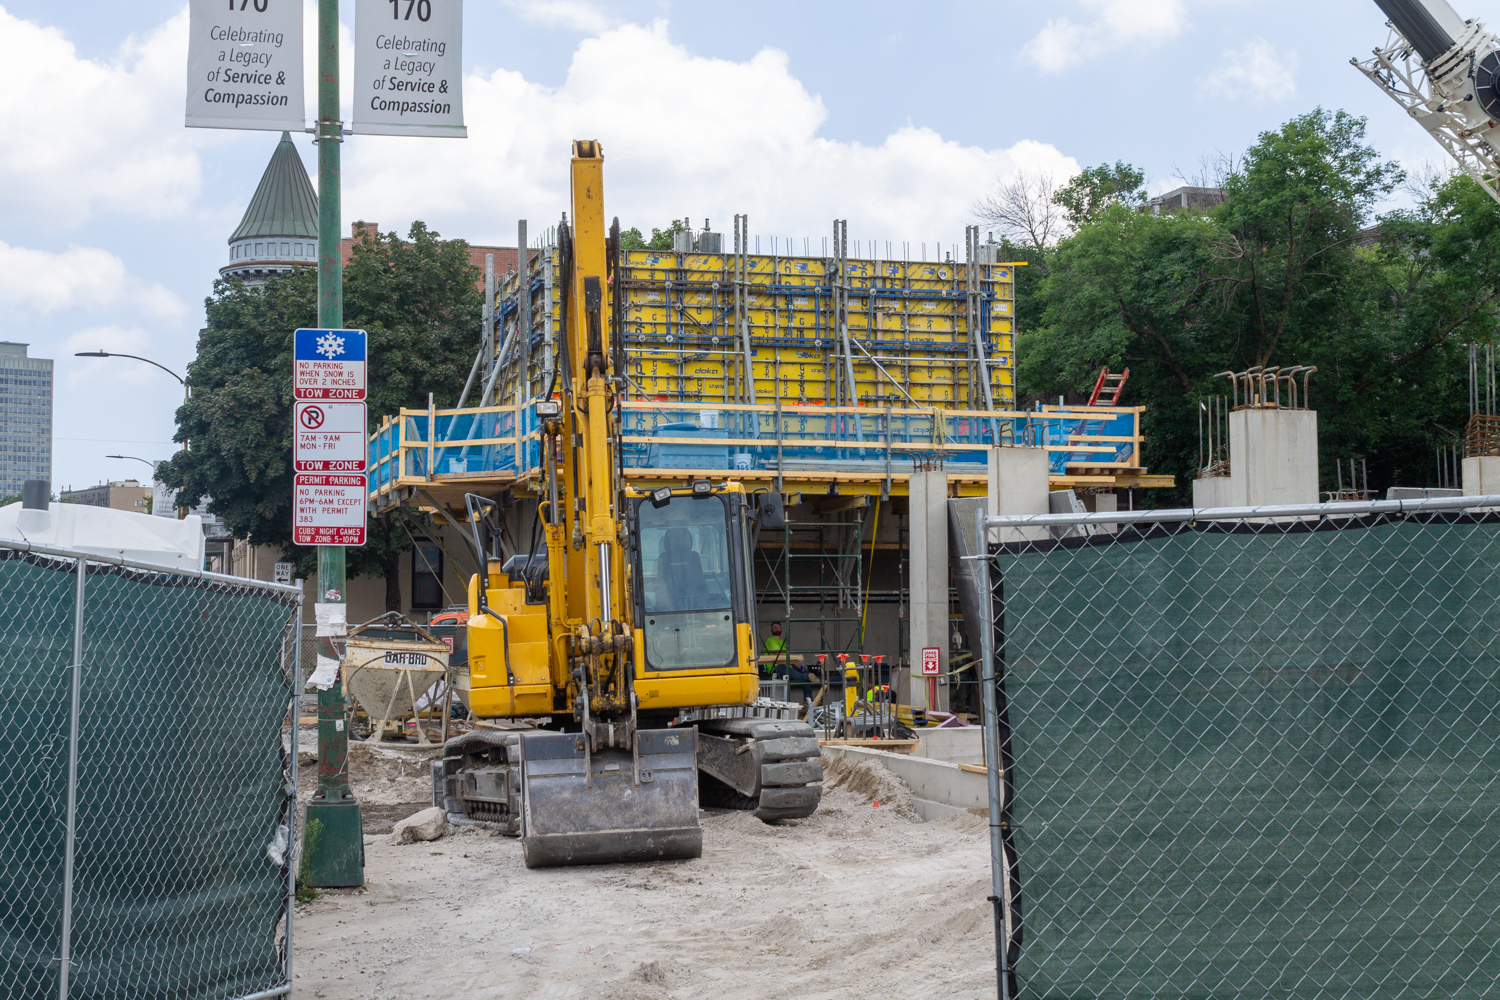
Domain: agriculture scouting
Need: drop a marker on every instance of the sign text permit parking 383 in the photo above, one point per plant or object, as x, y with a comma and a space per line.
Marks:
328, 364
328, 509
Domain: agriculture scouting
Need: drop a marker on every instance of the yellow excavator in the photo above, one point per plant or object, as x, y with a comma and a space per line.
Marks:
628, 645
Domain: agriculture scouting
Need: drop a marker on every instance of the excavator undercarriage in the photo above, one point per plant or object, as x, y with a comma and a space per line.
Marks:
771, 767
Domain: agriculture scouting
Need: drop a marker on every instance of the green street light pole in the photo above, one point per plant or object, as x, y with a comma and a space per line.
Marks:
336, 854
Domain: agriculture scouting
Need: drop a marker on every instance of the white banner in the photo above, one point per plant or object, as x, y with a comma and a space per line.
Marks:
245, 64
408, 68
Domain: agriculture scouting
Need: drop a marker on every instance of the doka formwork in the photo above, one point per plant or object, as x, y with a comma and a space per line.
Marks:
743, 327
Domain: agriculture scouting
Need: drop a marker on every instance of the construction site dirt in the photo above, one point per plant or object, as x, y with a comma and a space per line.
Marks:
859, 900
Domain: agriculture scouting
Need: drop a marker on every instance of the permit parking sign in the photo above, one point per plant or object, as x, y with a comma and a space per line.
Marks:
330, 437
329, 509
329, 364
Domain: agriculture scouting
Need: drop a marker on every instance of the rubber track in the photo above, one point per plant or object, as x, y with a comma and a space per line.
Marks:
790, 771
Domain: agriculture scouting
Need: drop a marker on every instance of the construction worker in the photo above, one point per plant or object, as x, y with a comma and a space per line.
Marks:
774, 646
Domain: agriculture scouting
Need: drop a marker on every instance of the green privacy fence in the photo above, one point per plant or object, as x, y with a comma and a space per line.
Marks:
1252, 758
146, 798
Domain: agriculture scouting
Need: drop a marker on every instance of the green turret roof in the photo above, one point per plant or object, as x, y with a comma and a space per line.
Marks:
284, 203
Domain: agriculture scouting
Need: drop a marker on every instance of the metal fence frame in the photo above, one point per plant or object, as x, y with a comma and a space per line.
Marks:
81, 561
1006, 884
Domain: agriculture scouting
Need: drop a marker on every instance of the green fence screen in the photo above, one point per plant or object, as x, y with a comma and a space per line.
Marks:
183, 799
1256, 760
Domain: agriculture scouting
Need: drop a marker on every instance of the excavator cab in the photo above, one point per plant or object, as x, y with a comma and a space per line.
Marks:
693, 600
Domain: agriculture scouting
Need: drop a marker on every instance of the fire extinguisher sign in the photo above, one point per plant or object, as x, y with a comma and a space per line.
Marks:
930, 661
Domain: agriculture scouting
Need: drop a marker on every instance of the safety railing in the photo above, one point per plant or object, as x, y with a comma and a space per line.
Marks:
775, 440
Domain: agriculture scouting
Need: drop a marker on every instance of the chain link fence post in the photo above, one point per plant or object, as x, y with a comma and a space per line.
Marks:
65, 948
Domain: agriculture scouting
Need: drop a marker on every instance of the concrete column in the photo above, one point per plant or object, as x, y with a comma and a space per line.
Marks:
1018, 481
928, 526
1274, 453
1481, 475
1273, 459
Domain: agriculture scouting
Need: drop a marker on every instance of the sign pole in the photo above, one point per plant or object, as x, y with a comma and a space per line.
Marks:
337, 856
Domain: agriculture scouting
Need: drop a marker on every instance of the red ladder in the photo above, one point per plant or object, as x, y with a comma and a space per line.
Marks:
1107, 390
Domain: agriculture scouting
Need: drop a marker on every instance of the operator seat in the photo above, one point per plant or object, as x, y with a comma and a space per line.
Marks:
680, 584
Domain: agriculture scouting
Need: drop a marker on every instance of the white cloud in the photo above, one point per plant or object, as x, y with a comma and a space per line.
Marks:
109, 337
1115, 24
40, 281
81, 135
725, 138
1254, 70
575, 15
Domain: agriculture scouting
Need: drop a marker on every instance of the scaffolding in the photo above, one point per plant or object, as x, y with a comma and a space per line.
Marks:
813, 576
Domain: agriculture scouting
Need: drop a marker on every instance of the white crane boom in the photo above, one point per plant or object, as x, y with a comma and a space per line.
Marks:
1445, 71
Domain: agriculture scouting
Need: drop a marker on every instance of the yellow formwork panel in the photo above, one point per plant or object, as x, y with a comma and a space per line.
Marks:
686, 318
907, 324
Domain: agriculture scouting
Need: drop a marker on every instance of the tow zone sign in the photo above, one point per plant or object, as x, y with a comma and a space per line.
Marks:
330, 437
330, 490
330, 509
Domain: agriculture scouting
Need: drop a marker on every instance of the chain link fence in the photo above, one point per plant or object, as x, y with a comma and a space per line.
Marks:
1249, 757
147, 801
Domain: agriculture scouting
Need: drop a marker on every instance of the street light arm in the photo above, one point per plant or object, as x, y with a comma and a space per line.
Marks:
137, 458
137, 357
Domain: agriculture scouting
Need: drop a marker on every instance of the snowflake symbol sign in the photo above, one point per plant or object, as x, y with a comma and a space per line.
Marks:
330, 345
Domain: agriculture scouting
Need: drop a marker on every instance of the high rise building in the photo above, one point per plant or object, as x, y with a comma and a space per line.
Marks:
25, 418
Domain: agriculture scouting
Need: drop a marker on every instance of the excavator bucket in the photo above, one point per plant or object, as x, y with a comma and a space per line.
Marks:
601, 809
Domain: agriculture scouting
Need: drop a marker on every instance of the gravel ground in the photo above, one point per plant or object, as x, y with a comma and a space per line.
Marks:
859, 900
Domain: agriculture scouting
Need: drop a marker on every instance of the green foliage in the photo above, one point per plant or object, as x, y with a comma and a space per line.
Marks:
313, 833
661, 239
1085, 198
418, 300
1286, 271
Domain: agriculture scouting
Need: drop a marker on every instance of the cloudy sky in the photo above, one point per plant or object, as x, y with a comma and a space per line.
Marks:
895, 116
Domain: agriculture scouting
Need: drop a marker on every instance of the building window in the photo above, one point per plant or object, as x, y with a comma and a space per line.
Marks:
260, 249
286, 249
426, 576
296, 249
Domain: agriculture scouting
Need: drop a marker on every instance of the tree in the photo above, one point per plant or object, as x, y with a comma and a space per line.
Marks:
1025, 210
1085, 198
417, 298
661, 239
1288, 270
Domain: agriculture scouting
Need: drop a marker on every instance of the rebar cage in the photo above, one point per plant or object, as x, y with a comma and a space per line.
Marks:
1249, 753
149, 825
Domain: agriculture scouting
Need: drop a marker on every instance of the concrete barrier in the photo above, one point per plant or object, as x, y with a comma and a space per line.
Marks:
961, 745
938, 787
